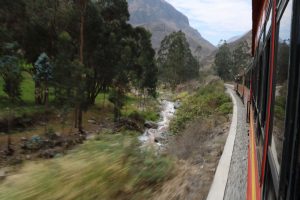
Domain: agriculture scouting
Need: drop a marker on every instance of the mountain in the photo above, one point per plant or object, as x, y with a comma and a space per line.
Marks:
232, 39
209, 60
246, 37
161, 19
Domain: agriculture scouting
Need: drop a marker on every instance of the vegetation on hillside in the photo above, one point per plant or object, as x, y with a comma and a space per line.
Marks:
207, 101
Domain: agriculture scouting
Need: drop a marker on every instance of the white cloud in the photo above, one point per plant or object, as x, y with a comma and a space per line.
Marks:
217, 19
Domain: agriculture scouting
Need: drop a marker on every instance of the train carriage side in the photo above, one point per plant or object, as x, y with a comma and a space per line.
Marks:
272, 93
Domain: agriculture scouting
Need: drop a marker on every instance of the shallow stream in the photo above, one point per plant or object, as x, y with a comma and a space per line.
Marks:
158, 135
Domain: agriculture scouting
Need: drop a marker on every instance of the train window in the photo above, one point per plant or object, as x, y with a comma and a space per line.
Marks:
265, 83
259, 81
259, 145
269, 191
261, 40
254, 80
282, 66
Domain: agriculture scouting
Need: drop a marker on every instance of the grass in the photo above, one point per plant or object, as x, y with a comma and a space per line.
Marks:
110, 167
27, 89
149, 111
24, 109
207, 101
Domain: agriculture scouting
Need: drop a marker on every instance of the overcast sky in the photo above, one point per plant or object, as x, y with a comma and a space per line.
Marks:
217, 19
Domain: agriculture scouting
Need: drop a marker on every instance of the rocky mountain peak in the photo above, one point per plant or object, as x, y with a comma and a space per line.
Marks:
161, 19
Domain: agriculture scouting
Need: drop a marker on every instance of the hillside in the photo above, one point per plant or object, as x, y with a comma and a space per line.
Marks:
246, 37
161, 18
208, 61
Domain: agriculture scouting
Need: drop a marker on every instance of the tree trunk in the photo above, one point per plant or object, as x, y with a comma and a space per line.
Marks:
80, 113
76, 117
46, 105
10, 151
46, 95
37, 91
104, 99
144, 100
82, 13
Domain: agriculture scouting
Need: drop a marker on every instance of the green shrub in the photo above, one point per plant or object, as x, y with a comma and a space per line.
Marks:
225, 108
136, 116
208, 100
156, 169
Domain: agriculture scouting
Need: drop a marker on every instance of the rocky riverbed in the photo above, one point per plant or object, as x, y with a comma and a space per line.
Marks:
156, 133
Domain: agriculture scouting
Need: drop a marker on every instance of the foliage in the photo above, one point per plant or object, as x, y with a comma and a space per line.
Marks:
175, 61
283, 61
43, 68
91, 46
117, 97
133, 108
241, 58
229, 63
11, 71
207, 101
223, 62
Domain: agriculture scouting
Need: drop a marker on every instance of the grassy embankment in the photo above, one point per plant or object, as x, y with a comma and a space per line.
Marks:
207, 102
110, 167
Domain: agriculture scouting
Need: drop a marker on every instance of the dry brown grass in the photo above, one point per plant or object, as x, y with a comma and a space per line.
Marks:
198, 149
111, 167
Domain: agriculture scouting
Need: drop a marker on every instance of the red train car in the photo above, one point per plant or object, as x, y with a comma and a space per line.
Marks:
271, 89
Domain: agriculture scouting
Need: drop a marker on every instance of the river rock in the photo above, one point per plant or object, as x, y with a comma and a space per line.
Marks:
35, 143
150, 124
92, 121
159, 139
49, 153
177, 104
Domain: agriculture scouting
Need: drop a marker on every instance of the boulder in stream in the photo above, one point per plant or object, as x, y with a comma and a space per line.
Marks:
150, 124
159, 139
177, 104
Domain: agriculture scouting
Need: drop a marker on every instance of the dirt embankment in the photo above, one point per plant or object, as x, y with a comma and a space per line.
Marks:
198, 150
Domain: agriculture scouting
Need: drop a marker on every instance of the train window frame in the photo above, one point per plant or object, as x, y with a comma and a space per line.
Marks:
269, 19
297, 117
275, 77
254, 81
279, 176
288, 176
261, 40
258, 81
